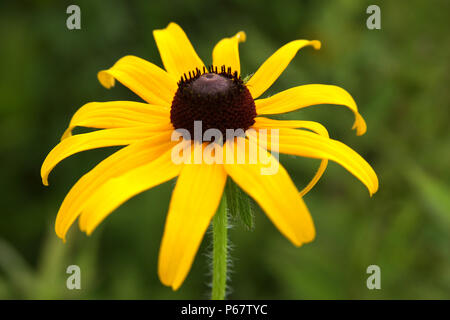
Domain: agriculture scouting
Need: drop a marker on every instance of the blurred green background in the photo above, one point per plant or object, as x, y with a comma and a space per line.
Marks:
398, 75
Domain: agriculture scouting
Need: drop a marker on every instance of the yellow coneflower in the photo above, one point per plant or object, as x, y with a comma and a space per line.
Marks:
184, 92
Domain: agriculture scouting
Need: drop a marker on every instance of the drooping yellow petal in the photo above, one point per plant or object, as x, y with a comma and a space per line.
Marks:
266, 123
275, 193
122, 161
226, 52
307, 144
147, 80
309, 95
117, 114
119, 189
195, 200
97, 139
271, 69
177, 53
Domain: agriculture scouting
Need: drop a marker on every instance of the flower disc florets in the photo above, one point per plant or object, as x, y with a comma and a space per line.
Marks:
219, 99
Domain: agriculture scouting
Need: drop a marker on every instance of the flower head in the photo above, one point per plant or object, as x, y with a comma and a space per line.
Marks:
175, 98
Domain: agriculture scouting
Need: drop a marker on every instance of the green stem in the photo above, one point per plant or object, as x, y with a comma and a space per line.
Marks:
220, 228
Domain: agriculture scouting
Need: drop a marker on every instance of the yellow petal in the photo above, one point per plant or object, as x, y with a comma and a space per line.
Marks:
307, 144
117, 114
308, 95
266, 123
96, 139
122, 161
276, 194
271, 69
195, 200
226, 52
177, 53
147, 80
119, 189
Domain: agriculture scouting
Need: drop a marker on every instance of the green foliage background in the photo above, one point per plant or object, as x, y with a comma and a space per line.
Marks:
398, 75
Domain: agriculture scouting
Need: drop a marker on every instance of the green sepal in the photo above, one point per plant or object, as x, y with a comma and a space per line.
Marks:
240, 205
247, 77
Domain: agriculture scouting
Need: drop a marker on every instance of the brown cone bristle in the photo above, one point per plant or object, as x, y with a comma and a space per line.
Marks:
221, 103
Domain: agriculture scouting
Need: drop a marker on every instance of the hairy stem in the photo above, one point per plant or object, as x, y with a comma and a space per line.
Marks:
220, 229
